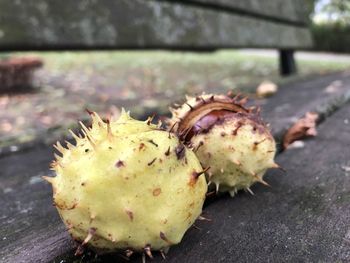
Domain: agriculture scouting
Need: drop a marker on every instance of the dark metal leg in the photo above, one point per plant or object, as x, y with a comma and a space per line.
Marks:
287, 62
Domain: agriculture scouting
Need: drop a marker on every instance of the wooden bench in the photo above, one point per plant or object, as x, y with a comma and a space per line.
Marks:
17, 72
302, 217
197, 25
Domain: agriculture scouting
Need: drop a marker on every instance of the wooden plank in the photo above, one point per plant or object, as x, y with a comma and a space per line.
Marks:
292, 11
31, 231
136, 24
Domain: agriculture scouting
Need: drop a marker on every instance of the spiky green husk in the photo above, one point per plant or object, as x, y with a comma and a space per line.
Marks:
127, 185
237, 155
239, 148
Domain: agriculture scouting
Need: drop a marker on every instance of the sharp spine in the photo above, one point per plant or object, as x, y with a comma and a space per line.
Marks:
204, 218
87, 131
162, 254
189, 105
58, 146
76, 137
109, 130
196, 175
148, 251
80, 248
217, 187
129, 252
275, 165
150, 119
236, 162
48, 179
250, 191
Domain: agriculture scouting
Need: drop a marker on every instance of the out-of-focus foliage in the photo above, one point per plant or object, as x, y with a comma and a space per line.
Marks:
330, 25
333, 37
329, 10
310, 6
338, 11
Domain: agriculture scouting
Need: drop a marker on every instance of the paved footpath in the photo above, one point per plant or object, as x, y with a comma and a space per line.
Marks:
303, 217
302, 55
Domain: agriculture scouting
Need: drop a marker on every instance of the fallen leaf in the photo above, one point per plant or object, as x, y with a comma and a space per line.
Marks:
46, 120
4, 101
266, 88
333, 87
6, 126
304, 127
103, 97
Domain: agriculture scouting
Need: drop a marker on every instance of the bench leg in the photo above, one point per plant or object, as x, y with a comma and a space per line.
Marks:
287, 62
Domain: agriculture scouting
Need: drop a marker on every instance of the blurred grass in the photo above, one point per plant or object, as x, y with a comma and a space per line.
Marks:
175, 73
227, 68
142, 81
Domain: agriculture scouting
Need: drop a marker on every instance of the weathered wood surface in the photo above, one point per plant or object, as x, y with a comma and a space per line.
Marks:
128, 24
292, 11
27, 218
302, 217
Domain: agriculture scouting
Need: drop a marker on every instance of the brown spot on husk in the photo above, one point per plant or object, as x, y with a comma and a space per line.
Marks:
142, 145
189, 215
156, 191
130, 214
119, 164
64, 206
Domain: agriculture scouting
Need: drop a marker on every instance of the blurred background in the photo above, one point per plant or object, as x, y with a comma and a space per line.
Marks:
48, 77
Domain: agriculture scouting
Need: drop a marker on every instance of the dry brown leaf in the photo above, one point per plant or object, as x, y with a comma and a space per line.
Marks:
6, 126
333, 87
46, 120
304, 127
266, 88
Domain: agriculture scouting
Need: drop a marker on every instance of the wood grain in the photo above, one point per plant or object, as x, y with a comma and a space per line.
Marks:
138, 24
